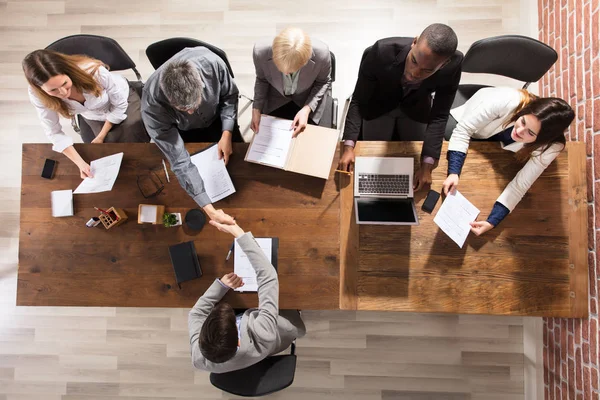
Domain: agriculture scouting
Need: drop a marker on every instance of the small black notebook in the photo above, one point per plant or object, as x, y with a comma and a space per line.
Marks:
185, 262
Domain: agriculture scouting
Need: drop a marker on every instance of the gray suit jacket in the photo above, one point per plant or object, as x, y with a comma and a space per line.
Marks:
263, 330
313, 83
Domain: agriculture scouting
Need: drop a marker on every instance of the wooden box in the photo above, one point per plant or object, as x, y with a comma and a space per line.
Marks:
107, 219
152, 214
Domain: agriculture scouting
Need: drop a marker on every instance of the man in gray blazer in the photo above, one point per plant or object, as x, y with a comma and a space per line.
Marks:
223, 342
293, 76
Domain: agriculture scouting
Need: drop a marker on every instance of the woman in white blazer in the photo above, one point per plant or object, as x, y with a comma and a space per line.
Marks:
528, 125
65, 85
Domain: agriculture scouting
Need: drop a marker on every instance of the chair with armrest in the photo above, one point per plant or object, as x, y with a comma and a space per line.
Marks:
330, 114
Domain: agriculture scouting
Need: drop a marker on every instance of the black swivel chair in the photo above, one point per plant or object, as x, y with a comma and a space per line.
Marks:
268, 376
102, 48
330, 113
517, 57
160, 52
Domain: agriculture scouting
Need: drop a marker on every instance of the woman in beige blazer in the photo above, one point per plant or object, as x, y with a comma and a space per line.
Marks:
293, 75
528, 125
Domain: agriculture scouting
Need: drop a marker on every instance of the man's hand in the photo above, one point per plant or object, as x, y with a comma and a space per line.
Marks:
480, 227
232, 281
422, 176
224, 147
300, 120
450, 184
85, 170
347, 160
218, 215
234, 229
255, 123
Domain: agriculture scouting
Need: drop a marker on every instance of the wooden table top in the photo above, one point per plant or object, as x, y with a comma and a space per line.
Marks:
64, 263
533, 263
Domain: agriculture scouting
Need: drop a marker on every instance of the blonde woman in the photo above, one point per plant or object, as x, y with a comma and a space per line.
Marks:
532, 127
293, 75
64, 85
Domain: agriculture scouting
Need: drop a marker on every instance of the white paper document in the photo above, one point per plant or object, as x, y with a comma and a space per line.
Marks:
271, 145
213, 172
104, 171
243, 268
62, 203
454, 217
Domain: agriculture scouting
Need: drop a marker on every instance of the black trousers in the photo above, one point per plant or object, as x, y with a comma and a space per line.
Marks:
210, 134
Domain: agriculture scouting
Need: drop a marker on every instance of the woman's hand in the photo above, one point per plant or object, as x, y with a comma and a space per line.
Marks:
450, 184
480, 227
99, 139
85, 171
255, 123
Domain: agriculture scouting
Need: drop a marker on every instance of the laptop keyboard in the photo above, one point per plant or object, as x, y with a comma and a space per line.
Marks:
383, 184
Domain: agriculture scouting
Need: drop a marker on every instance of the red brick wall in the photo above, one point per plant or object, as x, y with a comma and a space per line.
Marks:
571, 28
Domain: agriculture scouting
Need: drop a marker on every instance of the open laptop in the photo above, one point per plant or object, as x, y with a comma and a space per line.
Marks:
383, 191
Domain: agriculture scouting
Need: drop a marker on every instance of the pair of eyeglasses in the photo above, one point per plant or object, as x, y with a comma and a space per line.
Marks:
150, 184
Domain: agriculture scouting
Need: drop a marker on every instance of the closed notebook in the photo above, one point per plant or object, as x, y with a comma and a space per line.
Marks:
185, 262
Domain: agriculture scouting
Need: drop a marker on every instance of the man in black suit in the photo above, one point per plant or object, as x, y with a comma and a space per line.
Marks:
392, 99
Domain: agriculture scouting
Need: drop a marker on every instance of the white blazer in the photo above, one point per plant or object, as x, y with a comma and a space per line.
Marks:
482, 117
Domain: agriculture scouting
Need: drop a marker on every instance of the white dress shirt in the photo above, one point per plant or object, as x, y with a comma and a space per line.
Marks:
111, 106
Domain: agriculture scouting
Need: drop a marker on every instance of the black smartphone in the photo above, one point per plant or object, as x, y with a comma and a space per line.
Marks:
430, 201
48, 171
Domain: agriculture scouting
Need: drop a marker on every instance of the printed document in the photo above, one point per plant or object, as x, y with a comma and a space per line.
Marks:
213, 172
104, 171
271, 145
243, 268
454, 217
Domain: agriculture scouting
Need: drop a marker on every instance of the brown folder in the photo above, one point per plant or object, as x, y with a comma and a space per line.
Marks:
311, 152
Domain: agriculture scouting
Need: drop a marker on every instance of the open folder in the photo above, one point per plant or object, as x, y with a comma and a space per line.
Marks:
309, 153
243, 268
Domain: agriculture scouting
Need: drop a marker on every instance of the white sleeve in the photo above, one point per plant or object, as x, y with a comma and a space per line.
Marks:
516, 189
116, 96
51, 124
485, 106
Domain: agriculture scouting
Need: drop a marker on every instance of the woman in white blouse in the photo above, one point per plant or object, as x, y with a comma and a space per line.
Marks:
66, 85
528, 125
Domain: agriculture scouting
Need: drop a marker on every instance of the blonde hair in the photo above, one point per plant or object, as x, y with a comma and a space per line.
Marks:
292, 49
41, 65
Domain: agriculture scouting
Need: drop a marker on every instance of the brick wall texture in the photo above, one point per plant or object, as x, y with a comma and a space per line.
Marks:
571, 28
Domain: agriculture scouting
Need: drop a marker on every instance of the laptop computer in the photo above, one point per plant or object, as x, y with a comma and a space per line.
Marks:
383, 191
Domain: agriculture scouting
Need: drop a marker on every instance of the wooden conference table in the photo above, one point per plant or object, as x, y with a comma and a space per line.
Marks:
535, 263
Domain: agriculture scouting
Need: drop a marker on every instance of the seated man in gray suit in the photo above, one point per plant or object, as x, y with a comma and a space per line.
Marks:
293, 75
222, 341
192, 98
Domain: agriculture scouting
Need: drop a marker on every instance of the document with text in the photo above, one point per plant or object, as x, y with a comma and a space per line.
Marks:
454, 217
243, 268
271, 145
213, 172
104, 174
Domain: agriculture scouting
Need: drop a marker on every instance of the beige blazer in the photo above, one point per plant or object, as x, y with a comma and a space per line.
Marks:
481, 117
313, 82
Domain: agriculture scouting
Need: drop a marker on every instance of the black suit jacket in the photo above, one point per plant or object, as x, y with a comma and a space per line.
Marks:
379, 90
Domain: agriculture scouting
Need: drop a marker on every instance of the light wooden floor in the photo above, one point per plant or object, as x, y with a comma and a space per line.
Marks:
138, 354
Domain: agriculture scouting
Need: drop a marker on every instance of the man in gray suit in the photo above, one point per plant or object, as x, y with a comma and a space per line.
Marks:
293, 76
222, 341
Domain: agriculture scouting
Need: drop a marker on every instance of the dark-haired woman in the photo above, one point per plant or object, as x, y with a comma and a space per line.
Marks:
531, 126
66, 85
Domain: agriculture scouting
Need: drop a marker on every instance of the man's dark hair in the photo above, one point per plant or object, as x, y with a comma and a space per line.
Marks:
219, 336
441, 39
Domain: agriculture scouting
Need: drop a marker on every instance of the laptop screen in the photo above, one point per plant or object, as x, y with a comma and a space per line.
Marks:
386, 211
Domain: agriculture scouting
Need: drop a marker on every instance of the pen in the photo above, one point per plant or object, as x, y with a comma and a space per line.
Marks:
343, 172
230, 250
166, 172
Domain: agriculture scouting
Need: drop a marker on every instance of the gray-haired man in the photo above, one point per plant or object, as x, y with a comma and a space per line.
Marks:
192, 98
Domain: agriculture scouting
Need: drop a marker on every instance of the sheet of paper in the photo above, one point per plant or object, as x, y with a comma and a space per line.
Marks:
104, 171
271, 144
148, 214
213, 172
243, 268
454, 217
62, 203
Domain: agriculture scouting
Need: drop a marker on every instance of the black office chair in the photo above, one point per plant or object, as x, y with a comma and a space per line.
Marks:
268, 376
102, 48
160, 52
514, 56
330, 113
